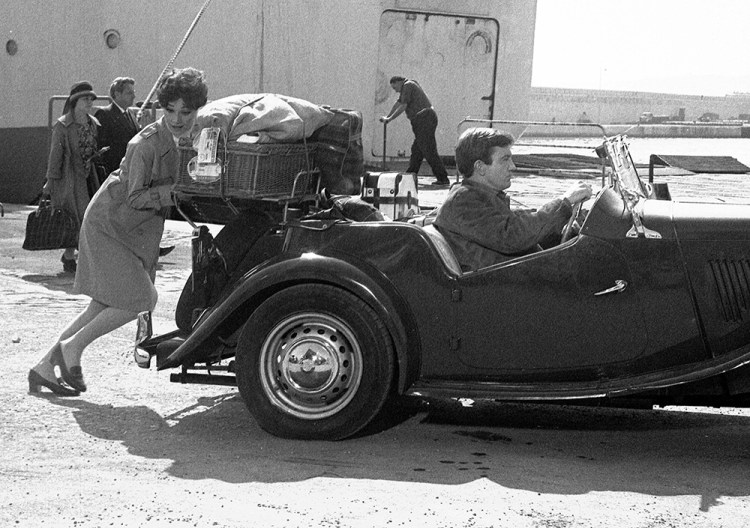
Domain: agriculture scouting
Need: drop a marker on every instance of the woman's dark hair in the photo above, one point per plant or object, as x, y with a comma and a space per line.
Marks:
475, 144
186, 84
397, 78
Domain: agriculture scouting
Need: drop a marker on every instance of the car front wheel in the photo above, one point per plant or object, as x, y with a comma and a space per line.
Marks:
314, 362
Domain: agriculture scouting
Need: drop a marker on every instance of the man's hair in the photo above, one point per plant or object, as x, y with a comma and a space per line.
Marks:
186, 84
397, 78
475, 144
118, 85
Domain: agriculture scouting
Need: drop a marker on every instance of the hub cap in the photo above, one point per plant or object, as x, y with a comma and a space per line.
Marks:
311, 365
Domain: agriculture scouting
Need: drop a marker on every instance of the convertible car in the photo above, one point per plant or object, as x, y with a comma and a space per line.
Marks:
324, 319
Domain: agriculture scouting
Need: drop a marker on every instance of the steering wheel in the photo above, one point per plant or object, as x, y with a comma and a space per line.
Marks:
568, 229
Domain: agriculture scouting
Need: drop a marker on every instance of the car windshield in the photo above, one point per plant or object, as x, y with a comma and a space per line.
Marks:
624, 173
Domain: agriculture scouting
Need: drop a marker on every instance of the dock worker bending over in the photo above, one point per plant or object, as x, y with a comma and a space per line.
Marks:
424, 122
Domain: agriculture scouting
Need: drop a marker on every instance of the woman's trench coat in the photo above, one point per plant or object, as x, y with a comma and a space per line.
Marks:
67, 176
120, 235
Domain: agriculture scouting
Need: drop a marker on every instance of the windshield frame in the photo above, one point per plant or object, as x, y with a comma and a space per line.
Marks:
624, 173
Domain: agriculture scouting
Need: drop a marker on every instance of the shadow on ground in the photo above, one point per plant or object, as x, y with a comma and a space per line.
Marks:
539, 448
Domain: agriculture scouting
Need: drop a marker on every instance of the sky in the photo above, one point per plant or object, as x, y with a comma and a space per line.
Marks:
668, 46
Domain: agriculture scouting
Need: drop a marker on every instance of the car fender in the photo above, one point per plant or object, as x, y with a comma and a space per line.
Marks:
275, 274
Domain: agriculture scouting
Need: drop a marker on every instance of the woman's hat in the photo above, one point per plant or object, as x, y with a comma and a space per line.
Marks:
80, 89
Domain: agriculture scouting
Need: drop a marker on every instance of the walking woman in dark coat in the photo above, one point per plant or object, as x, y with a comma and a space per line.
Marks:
70, 169
121, 231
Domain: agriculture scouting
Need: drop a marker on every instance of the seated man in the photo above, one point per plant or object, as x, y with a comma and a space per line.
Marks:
476, 218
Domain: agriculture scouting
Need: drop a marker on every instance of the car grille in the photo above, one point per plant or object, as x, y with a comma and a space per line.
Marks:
732, 280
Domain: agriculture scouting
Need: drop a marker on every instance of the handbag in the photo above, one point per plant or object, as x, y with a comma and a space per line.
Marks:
50, 228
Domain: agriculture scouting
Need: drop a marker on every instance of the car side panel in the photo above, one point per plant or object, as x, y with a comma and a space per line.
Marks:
404, 255
515, 321
541, 314
292, 268
715, 242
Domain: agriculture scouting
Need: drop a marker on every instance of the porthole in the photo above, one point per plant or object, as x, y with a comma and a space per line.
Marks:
112, 38
11, 47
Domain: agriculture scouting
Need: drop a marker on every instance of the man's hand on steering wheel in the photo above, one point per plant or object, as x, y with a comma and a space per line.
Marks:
578, 192
576, 195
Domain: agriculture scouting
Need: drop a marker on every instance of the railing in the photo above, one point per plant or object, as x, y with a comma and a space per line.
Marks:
51, 118
527, 124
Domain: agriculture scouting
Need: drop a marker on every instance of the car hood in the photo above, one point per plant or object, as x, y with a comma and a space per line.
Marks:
700, 221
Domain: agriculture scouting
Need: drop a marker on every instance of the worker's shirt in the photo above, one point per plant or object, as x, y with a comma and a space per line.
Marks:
414, 97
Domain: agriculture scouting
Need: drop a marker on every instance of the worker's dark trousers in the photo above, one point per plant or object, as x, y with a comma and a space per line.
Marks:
425, 146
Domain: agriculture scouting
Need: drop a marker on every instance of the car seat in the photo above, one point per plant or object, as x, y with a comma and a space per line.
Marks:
444, 249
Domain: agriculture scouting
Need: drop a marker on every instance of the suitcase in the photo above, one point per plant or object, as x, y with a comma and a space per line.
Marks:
339, 154
393, 193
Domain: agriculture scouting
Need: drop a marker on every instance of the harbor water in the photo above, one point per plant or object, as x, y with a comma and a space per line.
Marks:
535, 188
642, 148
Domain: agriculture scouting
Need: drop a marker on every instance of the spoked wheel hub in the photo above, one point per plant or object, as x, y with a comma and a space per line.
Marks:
311, 365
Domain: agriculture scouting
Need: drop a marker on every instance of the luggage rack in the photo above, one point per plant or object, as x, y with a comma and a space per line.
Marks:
249, 173
300, 192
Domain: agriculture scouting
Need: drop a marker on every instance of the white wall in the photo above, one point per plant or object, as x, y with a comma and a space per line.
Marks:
321, 50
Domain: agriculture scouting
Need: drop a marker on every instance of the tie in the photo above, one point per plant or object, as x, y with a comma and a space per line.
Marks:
131, 120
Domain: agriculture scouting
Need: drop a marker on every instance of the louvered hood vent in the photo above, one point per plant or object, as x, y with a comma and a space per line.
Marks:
732, 280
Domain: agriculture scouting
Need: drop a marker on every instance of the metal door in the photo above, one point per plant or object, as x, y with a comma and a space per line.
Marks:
453, 58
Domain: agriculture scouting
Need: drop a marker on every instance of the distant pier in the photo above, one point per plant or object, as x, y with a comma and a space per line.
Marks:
685, 112
661, 130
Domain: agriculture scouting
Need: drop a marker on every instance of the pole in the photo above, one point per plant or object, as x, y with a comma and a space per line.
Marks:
385, 142
171, 61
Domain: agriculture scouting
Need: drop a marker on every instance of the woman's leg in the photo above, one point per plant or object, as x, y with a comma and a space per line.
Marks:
81, 320
93, 322
85, 317
99, 321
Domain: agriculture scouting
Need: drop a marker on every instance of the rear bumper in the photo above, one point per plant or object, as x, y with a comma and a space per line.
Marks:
147, 346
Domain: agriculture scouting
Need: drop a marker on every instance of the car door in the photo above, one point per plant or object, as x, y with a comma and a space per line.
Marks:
567, 309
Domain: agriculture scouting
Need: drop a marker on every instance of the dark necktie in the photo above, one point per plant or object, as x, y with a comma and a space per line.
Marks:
131, 120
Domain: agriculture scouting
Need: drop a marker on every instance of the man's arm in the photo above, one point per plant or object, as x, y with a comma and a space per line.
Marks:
489, 222
533, 227
109, 159
397, 109
105, 127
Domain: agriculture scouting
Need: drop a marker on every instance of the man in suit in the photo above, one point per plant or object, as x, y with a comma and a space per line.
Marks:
118, 126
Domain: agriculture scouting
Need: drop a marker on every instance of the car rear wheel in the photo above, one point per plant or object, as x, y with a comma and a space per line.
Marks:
314, 362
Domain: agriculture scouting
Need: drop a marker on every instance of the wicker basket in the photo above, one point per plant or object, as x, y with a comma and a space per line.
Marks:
254, 171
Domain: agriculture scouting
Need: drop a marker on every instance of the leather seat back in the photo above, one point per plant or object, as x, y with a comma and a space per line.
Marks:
444, 249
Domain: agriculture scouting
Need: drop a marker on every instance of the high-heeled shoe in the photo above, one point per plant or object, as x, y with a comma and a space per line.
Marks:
36, 381
73, 376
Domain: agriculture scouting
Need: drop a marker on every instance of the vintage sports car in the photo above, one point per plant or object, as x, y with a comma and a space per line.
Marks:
324, 319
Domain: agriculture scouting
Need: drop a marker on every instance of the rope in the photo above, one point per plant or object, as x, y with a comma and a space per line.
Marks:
174, 57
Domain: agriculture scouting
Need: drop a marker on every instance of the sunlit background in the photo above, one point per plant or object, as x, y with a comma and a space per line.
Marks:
667, 46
